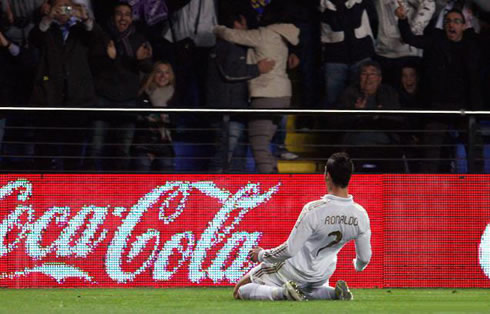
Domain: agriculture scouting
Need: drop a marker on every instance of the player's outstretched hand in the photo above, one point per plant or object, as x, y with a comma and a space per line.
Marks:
253, 255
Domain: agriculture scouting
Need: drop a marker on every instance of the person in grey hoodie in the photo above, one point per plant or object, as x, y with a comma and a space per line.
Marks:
392, 52
270, 90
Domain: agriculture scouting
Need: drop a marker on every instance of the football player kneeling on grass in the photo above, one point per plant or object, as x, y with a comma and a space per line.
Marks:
300, 268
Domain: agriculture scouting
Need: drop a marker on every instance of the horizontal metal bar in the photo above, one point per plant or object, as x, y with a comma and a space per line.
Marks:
248, 110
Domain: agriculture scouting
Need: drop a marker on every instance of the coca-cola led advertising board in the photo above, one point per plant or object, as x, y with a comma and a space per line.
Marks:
196, 230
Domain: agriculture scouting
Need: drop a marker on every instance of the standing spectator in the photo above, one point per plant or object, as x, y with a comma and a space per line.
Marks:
227, 88
347, 39
8, 52
151, 17
191, 35
371, 94
451, 68
19, 19
191, 31
14, 91
153, 142
307, 18
63, 79
391, 50
117, 63
195, 21
270, 90
22, 15
451, 61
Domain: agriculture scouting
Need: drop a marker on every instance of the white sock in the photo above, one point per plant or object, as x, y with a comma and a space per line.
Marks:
322, 293
254, 291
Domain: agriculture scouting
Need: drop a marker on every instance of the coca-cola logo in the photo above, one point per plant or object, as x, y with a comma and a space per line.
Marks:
79, 232
484, 251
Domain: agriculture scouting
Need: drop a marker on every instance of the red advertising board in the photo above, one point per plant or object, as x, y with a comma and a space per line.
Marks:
191, 230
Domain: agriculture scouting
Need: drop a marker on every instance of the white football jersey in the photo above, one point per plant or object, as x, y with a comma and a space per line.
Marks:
322, 229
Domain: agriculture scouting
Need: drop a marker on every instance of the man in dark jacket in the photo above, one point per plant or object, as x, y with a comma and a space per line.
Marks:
451, 62
63, 79
228, 74
117, 62
451, 73
370, 94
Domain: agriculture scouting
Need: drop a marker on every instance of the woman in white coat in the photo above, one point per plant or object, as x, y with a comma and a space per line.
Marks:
270, 90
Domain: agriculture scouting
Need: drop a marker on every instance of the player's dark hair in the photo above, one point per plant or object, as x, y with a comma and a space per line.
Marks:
340, 168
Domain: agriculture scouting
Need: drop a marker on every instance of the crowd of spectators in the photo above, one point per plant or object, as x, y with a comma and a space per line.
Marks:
348, 54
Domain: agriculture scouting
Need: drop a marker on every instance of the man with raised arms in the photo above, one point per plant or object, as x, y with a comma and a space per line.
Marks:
300, 268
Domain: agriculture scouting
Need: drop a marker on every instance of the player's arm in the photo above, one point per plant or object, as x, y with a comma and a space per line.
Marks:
244, 37
300, 233
363, 248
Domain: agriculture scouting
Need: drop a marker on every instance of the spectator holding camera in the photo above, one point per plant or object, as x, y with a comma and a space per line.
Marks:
64, 37
117, 62
63, 79
17, 63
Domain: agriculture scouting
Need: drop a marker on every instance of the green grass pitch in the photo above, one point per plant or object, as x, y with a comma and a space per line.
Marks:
219, 300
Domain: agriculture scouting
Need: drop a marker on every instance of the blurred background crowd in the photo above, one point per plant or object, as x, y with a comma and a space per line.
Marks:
237, 54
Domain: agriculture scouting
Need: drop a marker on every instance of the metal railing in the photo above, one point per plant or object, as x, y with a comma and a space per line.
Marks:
379, 141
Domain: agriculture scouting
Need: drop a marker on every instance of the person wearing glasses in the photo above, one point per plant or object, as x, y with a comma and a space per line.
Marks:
451, 77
